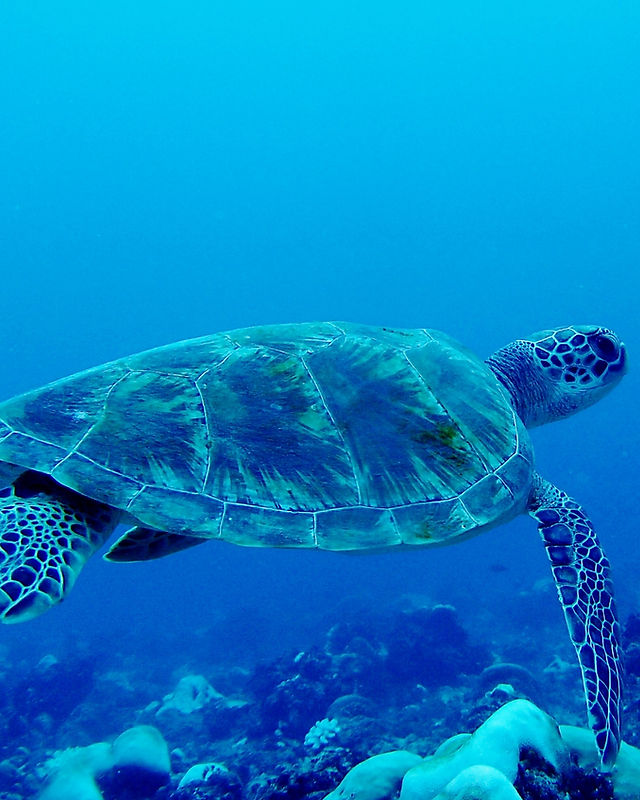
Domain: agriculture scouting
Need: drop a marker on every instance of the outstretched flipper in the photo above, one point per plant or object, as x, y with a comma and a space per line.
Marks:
46, 536
581, 573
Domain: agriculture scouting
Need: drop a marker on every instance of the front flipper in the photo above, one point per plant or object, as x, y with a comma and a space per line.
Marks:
581, 572
46, 537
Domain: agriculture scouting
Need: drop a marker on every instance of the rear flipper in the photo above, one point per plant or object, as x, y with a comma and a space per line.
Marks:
46, 536
143, 544
581, 572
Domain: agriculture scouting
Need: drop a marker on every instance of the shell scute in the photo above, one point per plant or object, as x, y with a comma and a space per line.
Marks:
402, 441
488, 500
273, 442
356, 528
178, 511
189, 358
22, 449
397, 338
266, 527
294, 338
152, 429
432, 522
85, 476
62, 412
473, 398
517, 471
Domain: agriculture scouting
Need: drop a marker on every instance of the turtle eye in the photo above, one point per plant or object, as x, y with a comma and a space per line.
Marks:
606, 347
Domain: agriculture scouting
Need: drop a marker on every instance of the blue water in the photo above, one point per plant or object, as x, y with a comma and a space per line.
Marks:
174, 169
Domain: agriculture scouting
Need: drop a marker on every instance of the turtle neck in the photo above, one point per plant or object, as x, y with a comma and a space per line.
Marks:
515, 368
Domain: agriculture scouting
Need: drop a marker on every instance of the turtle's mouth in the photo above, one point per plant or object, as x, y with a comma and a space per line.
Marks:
619, 367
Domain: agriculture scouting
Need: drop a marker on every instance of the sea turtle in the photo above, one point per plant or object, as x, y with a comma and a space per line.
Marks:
320, 435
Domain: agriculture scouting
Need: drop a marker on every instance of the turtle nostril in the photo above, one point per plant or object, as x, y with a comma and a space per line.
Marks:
606, 347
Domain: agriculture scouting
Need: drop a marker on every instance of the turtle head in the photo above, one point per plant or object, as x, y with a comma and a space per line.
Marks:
552, 374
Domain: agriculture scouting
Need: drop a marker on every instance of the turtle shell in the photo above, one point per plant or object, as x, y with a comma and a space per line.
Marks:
327, 435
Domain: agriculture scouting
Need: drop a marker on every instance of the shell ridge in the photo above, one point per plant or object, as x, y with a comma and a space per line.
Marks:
205, 414
222, 519
270, 348
338, 328
13, 432
100, 417
396, 527
335, 425
135, 496
100, 466
503, 482
468, 513
162, 372
218, 363
208, 442
513, 455
329, 510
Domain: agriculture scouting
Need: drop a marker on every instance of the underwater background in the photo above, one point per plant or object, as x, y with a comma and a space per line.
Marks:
171, 170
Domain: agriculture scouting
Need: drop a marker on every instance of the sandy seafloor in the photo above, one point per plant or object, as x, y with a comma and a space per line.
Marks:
175, 169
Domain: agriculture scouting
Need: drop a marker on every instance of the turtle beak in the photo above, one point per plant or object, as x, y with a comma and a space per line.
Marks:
623, 359
619, 367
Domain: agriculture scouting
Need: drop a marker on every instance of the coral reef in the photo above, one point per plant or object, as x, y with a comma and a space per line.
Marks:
347, 717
